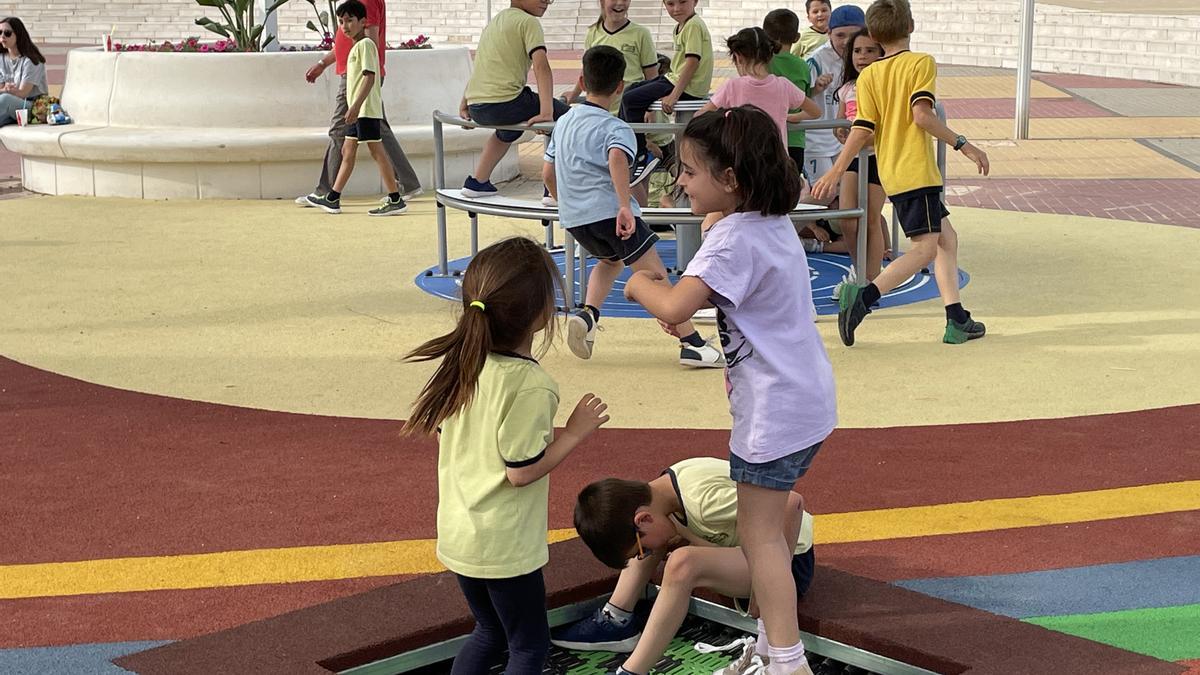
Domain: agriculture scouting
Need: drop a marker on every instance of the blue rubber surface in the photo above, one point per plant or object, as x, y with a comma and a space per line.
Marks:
1166, 582
825, 270
92, 659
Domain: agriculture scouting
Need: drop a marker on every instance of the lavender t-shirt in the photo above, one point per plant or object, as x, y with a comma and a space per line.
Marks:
778, 377
774, 95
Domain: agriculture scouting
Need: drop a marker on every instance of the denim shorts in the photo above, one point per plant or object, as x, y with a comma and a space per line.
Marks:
779, 474
525, 105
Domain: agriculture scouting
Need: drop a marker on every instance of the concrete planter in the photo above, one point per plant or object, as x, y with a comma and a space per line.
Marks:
231, 126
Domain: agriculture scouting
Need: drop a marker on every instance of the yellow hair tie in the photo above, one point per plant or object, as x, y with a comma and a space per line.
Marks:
476, 303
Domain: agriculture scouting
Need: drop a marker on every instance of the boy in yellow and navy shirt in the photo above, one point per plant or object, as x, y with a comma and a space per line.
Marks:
690, 511
895, 104
511, 43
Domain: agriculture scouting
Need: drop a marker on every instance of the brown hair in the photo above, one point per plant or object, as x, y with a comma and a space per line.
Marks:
889, 20
604, 518
24, 43
782, 26
515, 281
752, 45
747, 140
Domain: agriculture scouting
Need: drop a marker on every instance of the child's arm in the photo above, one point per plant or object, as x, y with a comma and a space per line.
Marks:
670, 304
545, 84
809, 110
841, 133
793, 519
828, 184
631, 584
586, 418
550, 179
927, 119
363, 91
618, 170
690, 65
706, 108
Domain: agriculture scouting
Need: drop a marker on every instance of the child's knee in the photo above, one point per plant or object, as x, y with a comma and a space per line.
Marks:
682, 568
925, 247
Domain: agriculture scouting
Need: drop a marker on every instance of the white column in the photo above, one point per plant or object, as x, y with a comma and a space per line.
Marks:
1024, 70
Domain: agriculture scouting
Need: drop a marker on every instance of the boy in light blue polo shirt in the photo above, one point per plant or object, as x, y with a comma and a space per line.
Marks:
587, 170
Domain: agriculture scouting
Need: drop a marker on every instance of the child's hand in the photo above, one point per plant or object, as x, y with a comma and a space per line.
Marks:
639, 279
351, 115
826, 186
667, 328
548, 117
463, 110
841, 133
978, 156
587, 416
313, 73
668, 103
822, 82
625, 223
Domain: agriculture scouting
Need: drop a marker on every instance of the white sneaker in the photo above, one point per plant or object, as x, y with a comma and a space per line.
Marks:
706, 314
549, 201
581, 333
407, 196
746, 662
848, 279
302, 200
704, 356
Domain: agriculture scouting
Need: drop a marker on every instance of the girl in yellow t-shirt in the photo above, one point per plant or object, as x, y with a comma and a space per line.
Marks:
614, 29
494, 408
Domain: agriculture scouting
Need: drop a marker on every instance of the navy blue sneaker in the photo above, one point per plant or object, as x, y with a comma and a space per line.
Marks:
643, 167
598, 633
473, 188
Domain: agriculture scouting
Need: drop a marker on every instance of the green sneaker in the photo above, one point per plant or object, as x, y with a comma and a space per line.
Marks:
851, 312
390, 208
958, 333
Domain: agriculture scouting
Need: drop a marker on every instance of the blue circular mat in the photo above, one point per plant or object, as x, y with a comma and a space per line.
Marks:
824, 271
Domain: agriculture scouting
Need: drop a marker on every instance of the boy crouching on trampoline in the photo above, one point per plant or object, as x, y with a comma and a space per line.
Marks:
587, 172
631, 526
364, 115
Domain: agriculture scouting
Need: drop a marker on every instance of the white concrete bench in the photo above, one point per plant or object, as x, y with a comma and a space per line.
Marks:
168, 125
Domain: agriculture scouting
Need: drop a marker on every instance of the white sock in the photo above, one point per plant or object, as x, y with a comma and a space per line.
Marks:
785, 660
760, 646
620, 616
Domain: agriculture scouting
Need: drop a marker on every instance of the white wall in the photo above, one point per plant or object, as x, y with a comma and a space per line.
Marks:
964, 32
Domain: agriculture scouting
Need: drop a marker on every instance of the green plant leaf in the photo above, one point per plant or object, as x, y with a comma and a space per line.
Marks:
210, 3
213, 26
256, 33
312, 26
269, 40
276, 5
241, 6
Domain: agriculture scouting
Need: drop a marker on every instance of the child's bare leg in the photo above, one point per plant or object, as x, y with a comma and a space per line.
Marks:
945, 265
493, 151
600, 281
760, 526
723, 570
385, 167
349, 156
650, 261
877, 235
631, 584
923, 250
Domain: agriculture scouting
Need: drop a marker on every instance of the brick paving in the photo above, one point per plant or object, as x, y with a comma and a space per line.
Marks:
1005, 108
1168, 202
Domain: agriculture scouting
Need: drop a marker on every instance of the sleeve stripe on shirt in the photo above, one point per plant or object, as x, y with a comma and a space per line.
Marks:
536, 49
920, 95
864, 124
525, 462
689, 55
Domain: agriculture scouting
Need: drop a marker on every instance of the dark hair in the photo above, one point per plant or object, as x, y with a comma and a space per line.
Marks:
352, 7
747, 140
515, 280
603, 69
782, 26
808, 3
604, 518
751, 44
664, 64
889, 20
850, 72
24, 43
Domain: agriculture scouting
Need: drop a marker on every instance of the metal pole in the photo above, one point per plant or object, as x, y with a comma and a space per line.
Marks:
860, 246
439, 182
1024, 70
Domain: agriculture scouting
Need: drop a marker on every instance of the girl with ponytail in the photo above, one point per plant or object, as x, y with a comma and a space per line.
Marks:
493, 407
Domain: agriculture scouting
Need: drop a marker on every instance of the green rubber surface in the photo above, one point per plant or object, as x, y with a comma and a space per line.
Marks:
1168, 633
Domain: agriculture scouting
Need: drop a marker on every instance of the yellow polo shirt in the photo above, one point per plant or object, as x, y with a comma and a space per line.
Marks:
506, 47
709, 499
364, 58
887, 90
693, 39
635, 44
487, 528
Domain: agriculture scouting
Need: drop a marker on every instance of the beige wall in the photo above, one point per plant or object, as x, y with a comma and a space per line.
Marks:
965, 32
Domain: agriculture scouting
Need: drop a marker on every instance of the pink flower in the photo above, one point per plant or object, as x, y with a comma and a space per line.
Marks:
204, 48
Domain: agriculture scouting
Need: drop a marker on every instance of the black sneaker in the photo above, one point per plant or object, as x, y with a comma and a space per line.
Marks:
958, 333
851, 312
326, 204
643, 168
389, 208
599, 632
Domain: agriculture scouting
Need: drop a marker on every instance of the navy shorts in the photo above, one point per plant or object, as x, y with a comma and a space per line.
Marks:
517, 111
365, 130
779, 474
872, 169
601, 241
920, 211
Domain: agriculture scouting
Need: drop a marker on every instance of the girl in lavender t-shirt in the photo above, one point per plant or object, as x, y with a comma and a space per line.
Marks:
752, 51
752, 268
